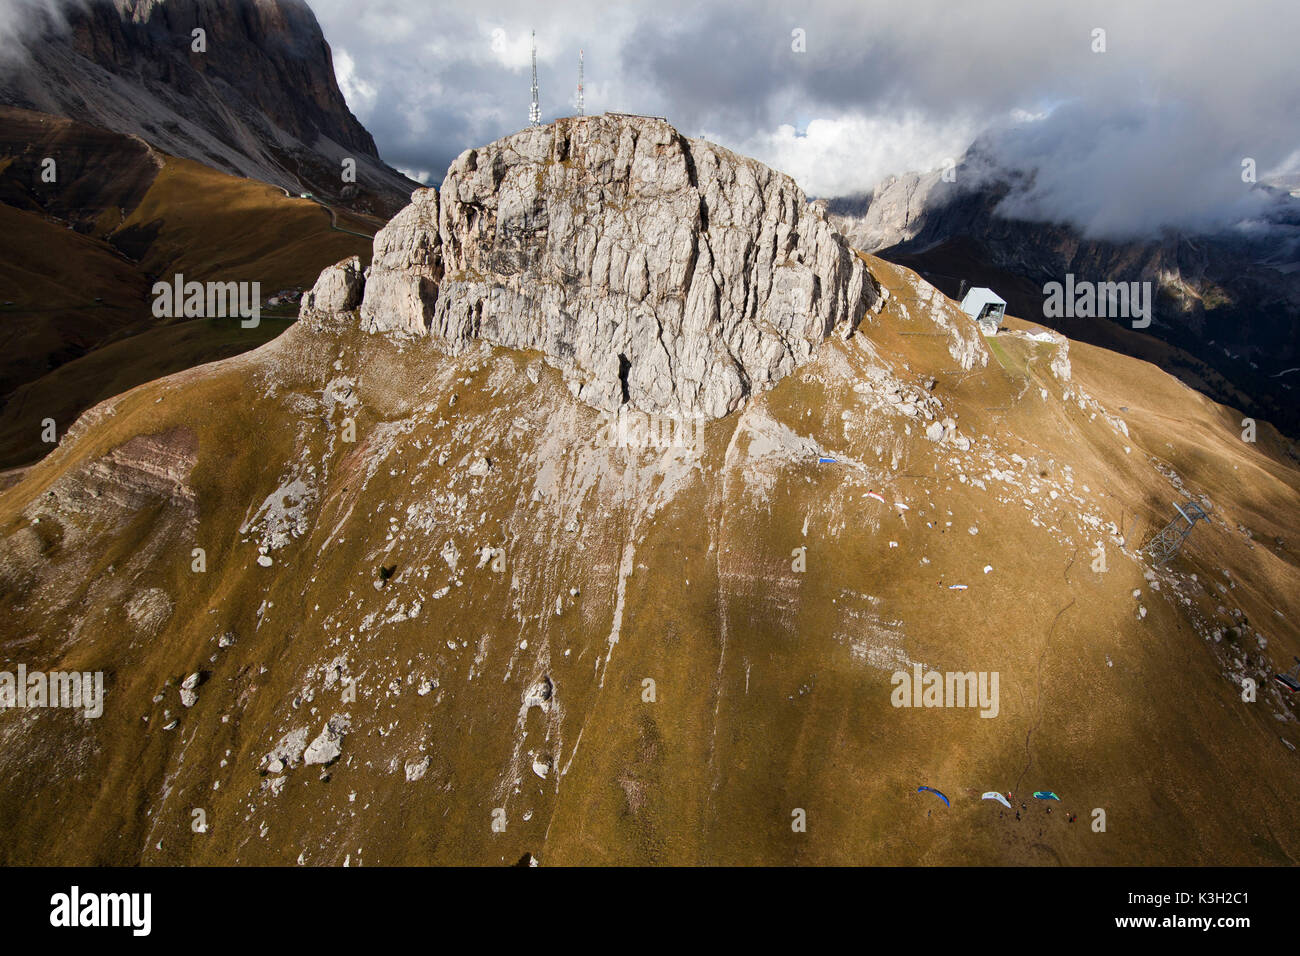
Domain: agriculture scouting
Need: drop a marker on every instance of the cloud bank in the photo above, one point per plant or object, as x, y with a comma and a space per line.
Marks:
1133, 117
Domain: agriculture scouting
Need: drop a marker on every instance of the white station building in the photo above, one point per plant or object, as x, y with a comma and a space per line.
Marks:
986, 307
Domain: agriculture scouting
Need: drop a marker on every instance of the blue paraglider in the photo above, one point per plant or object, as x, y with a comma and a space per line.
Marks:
936, 793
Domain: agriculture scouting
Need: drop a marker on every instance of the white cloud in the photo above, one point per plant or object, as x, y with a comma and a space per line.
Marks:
419, 175
514, 51
359, 94
1160, 125
837, 157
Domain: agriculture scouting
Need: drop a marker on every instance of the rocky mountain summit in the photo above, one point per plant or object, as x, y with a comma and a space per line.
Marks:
653, 270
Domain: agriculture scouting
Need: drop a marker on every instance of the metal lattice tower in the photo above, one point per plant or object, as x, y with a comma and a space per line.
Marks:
1169, 541
535, 111
581, 104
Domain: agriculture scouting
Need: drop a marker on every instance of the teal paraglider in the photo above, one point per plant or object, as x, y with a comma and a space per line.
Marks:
1046, 795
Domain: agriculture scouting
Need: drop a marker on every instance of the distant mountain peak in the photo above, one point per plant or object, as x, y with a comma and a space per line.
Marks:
259, 100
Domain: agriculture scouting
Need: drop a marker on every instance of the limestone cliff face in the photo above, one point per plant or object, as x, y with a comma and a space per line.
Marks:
653, 270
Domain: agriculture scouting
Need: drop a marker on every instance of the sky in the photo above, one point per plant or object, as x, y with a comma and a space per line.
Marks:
1150, 133
1131, 116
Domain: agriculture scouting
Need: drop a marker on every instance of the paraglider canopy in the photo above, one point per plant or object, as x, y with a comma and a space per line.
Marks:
1046, 795
994, 795
935, 792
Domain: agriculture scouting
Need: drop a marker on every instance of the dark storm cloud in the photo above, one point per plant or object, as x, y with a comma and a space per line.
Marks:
1150, 133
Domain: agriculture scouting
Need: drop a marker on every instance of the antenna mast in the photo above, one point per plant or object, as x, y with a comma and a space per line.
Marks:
581, 110
535, 111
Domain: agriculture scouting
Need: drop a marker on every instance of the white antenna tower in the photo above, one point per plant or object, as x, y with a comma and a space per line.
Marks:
581, 109
535, 111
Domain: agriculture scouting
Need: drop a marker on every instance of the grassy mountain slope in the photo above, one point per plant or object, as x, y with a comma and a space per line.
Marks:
471, 685
80, 256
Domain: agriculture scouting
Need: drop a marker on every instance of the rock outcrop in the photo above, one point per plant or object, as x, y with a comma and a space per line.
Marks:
338, 288
654, 271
